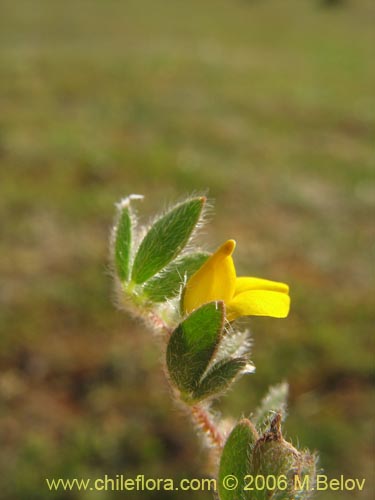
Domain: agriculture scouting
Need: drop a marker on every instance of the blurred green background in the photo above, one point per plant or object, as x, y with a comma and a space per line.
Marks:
270, 106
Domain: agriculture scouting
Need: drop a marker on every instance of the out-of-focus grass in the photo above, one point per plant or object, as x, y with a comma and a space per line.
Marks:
270, 105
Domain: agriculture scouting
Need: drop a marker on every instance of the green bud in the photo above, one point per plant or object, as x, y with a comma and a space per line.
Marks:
273, 456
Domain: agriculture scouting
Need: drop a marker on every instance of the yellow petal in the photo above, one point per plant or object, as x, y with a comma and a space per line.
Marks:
243, 284
215, 280
259, 303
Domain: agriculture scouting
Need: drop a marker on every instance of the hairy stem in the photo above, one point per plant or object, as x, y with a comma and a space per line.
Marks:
206, 424
158, 323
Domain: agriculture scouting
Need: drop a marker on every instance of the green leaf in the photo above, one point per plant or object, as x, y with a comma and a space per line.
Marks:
274, 402
167, 285
235, 344
123, 240
166, 239
193, 344
236, 461
220, 377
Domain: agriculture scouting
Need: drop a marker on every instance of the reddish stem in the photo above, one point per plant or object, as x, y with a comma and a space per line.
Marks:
159, 323
205, 422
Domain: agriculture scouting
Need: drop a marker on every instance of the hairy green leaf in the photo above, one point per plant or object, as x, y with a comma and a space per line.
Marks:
220, 377
193, 344
275, 401
235, 462
166, 239
167, 285
123, 240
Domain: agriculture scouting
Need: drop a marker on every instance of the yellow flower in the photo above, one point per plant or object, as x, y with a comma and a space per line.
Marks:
243, 296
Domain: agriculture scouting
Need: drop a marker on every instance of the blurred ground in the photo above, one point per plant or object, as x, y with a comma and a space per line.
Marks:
268, 104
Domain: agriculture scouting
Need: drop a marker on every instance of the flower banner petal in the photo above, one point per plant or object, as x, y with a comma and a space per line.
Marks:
259, 303
215, 280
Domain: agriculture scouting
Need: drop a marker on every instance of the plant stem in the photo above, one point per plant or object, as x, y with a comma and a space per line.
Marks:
206, 424
158, 323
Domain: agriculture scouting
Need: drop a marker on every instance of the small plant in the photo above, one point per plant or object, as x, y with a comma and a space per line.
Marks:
193, 298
